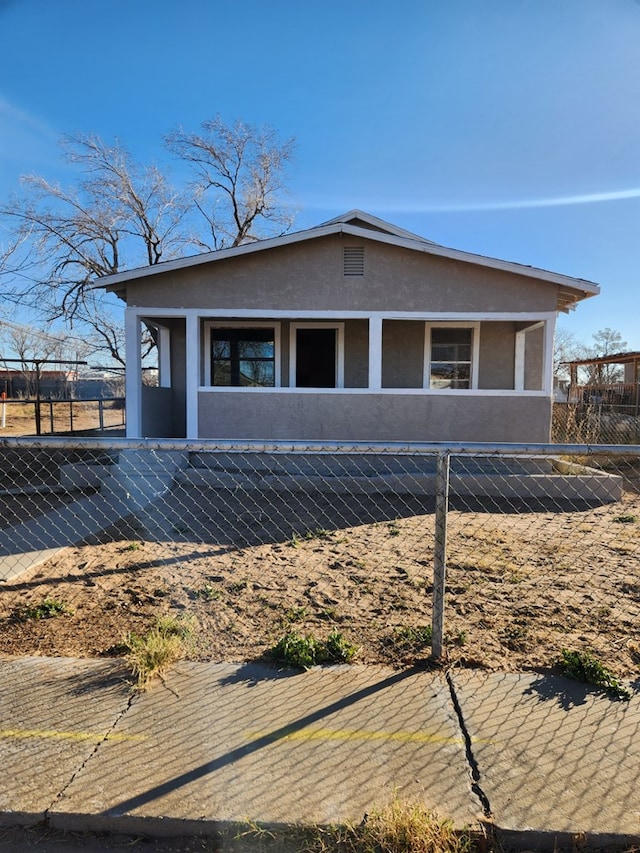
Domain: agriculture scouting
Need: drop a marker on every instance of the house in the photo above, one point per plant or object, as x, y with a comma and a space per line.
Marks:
352, 330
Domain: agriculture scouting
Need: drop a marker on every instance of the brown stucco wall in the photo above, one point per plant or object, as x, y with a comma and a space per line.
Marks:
496, 356
356, 354
157, 419
374, 417
309, 276
402, 353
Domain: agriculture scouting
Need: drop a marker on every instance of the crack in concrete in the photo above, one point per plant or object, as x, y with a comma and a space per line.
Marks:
474, 770
167, 686
84, 763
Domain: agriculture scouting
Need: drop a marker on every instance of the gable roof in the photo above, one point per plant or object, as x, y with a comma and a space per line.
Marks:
357, 223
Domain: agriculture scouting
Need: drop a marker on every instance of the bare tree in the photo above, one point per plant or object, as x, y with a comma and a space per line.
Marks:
606, 342
239, 181
121, 214
565, 348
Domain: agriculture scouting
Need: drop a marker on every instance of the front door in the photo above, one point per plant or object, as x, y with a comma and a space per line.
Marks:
316, 358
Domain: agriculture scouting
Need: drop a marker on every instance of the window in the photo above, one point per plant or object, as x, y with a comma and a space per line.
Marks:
243, 356
449, 357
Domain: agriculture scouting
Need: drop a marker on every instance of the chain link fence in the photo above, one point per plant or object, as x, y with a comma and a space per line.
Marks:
483, 555
593, 420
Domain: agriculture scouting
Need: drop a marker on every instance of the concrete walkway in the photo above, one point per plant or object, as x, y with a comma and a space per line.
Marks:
539, 756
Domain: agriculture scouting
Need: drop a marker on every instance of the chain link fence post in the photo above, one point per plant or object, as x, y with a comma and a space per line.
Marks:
440, 553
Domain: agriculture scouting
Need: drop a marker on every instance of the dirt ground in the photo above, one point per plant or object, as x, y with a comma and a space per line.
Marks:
55, 418
246, 567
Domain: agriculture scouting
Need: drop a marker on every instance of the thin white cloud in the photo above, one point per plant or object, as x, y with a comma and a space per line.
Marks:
523, 204
24, 136
471, 207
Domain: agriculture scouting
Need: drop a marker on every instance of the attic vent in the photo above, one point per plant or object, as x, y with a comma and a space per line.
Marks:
353, 259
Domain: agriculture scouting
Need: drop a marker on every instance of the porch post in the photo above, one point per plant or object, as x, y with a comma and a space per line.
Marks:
518, 369
164, 356
133, 373
193, 372
549, 330
375, 353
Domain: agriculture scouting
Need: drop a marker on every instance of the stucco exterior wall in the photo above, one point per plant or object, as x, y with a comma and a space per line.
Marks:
309, 276
178, 378
496, 356
373, 417
157, 418
356, 354
402, 353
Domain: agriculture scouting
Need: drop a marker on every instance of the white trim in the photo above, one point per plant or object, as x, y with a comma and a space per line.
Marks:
475, 354
375, 353
547, 346
193, 369
520, 355
133, 373
293, 349
518, 365
376, 222
216, 314
231, 324
164, 356
467, 392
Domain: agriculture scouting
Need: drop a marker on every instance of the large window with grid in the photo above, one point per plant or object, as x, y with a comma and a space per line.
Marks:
243, 357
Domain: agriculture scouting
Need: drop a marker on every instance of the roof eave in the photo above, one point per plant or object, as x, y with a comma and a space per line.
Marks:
579, 288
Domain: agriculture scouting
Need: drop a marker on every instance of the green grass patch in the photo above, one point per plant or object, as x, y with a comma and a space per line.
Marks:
163, 644
412, 637
49, 608
401, 827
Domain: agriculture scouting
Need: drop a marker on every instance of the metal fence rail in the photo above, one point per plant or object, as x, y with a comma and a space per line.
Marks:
499, 555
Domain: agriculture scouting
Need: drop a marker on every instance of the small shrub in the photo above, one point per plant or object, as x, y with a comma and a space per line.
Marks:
296, 650
626, 519
308, 651
338, 649
208, 592
581, 666
294, 614
133, 546
49, 608
162, 645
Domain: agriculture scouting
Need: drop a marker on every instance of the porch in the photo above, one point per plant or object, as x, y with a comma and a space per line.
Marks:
356, 376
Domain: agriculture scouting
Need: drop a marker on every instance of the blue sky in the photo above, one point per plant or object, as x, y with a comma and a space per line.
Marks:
505, 127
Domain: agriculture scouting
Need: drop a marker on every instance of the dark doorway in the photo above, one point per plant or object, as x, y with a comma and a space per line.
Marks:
316, 358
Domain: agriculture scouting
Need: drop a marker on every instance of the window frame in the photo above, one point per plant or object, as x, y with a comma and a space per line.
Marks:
475, 352
242, 324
